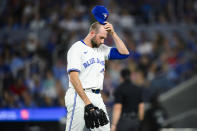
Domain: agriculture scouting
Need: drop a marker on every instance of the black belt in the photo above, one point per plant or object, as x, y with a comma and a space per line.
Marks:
96, 91
129, 114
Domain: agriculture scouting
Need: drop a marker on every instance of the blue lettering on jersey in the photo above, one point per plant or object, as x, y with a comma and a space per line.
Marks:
98, 61
102, 71
85, 65
92, 61
101, 62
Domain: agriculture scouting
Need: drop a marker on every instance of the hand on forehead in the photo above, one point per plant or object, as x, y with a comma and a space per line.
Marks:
103, 30
108, 27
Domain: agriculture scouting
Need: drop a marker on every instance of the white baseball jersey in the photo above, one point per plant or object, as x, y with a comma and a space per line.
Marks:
89, 62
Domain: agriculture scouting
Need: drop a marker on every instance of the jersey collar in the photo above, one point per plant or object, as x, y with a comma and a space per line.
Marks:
83, 42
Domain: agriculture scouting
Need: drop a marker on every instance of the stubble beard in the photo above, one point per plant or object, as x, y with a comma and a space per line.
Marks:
94, 44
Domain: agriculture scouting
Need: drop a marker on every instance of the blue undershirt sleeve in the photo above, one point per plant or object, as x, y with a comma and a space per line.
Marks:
114, 54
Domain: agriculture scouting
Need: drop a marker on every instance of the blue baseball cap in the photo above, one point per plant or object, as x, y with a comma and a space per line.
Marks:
100, 14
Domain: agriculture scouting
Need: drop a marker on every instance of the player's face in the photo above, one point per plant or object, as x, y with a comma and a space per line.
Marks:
99, 38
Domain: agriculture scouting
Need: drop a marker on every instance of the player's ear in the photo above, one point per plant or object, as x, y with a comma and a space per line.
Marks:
92, 32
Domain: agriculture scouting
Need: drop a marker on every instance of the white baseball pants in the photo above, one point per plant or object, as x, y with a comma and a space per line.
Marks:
75, 110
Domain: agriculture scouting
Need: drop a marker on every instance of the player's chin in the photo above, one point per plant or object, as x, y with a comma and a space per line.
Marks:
99, 45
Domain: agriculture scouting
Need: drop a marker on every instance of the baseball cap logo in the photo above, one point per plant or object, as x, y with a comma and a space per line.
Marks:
105, 15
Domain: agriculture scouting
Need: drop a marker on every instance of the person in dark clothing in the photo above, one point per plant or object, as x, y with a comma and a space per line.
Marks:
128, 109
154, 117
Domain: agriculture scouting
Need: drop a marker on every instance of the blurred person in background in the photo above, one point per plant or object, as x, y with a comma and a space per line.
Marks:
8, 100
49, 89
128, 109
18, 87
155, 116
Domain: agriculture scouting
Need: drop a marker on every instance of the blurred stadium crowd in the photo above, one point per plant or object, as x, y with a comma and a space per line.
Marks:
36, 34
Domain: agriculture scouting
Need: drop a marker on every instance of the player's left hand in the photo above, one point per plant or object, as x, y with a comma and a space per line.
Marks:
109, 27
94, 117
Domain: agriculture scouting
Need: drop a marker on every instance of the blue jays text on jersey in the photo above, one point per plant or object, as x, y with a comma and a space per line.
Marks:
92, 61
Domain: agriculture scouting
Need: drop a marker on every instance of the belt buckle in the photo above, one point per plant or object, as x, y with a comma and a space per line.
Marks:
97, 91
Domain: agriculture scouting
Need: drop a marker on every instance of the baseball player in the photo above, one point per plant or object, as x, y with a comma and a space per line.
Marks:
86, 67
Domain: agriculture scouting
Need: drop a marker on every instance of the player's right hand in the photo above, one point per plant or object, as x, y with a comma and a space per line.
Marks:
109, 27
113, 128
